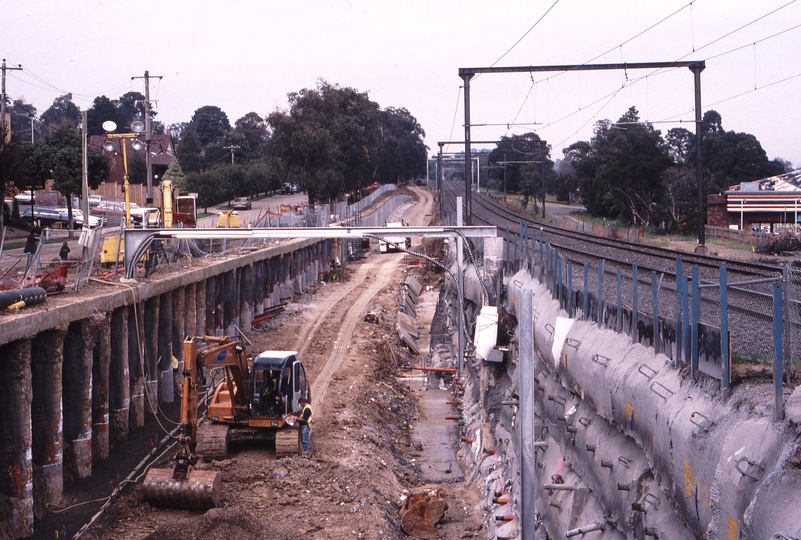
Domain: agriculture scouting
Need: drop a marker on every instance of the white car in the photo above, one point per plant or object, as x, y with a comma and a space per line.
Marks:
77, 218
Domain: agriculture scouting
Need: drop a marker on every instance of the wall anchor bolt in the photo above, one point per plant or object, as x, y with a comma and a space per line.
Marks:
661, 390
651, 499
749, 464
584, 529
600, 359
647, 371
704, 422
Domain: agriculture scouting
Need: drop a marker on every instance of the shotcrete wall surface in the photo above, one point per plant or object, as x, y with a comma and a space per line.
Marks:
636, 447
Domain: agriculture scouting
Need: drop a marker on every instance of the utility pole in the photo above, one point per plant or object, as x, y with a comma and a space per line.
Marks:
468, 170
148, 135
6, 134
231, 147
85, 175
544, 154
440, 179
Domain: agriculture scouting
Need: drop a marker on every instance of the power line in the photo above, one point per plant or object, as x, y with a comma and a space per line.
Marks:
455, 112
534, 83
643, 32
663, 70
738, 29
755, 42
527, 33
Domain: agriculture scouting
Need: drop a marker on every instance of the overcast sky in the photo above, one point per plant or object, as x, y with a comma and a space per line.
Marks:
246, 55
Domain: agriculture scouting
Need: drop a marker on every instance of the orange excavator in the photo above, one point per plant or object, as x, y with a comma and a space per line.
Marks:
252, 401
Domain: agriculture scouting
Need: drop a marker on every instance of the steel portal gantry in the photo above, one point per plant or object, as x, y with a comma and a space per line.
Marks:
696, 66
137, 240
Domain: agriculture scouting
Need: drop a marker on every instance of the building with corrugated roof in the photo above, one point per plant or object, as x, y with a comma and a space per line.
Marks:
768, 205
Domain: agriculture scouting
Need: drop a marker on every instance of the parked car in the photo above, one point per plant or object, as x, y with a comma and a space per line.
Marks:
57, 217
77, 218
295, 188
286, 187
95, 200
45, 216
114, 211
242, 203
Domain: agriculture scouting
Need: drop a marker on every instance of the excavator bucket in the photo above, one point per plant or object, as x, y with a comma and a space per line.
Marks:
200, 490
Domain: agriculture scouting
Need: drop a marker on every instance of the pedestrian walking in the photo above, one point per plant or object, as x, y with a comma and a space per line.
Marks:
30, 249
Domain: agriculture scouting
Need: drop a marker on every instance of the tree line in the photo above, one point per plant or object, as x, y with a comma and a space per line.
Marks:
331, 141
629, 172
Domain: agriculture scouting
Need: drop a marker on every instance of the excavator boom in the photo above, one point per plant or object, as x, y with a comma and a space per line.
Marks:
183, 486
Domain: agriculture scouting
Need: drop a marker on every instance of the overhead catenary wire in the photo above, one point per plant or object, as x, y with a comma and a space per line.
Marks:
524, 35
631, 82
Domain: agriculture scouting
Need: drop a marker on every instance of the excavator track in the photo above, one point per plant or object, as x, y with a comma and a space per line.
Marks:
212, 441
287, 442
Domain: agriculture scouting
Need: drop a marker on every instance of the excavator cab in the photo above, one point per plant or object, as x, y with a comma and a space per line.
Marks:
277, 382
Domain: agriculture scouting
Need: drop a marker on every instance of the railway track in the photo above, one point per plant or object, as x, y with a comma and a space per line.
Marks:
488, 211
750, 284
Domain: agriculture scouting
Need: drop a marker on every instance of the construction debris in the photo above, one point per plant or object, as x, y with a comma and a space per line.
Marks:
421, 512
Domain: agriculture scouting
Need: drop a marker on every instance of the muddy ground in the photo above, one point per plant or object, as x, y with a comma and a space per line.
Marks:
363, 454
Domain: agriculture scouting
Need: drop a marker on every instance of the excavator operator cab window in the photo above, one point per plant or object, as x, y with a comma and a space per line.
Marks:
286, 390
264, 385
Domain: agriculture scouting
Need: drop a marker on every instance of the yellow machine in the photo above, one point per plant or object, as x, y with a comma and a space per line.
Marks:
251, 402
229, 220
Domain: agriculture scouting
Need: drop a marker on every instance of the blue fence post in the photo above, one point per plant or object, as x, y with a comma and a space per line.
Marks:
778, 353
679, 312
685, 291
635, 314
619, 322
542, 243
695, 322
724, 329
524, 238
600, 312
570, 289
554, 277
517, 265
559, 296
584, 299
655, 305
506, 249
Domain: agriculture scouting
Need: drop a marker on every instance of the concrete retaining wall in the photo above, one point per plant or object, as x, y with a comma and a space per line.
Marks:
616, 441
73, 382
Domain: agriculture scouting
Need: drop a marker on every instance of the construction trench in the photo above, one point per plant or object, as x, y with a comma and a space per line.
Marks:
567, 429
71, 381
